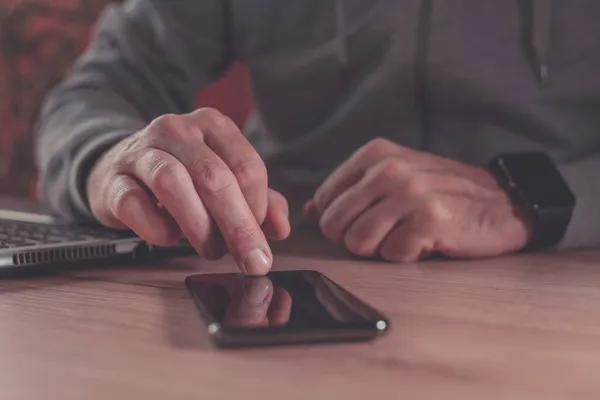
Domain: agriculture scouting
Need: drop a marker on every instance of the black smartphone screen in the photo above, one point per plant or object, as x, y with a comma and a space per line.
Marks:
281, 307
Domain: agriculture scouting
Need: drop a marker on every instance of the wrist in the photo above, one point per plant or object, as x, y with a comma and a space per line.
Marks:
525, 220
517, 220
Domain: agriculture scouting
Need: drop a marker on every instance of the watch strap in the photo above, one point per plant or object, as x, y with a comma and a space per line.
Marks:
550, 222
549, 227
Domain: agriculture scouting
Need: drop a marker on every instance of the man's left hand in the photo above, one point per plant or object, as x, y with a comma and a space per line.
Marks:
390, 201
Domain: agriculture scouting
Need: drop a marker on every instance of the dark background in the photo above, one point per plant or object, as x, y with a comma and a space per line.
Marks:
39, 41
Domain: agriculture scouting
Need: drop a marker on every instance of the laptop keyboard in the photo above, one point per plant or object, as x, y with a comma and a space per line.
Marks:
20, 234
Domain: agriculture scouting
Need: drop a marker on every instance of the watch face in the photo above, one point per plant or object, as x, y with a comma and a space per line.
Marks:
537, 178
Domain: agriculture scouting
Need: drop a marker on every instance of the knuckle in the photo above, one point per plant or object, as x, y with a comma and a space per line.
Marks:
162, 171
209, 112
212, 177
435, 213
127, 199
242, 233
377, 146
391, 168
215, 117
250, 173
168, 127
167, 123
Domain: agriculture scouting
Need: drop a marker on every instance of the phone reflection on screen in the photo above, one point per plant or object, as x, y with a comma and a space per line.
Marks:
294, 299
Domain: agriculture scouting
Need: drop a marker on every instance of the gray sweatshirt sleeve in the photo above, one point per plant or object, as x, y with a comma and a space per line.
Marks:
147, 58
582, 177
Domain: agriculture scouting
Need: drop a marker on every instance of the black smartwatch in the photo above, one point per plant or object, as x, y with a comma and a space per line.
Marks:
534, 183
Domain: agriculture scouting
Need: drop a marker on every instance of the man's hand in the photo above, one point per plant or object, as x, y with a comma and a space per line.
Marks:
390, 201
194, 174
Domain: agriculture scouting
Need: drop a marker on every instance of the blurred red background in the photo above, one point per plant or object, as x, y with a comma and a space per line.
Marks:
39, 41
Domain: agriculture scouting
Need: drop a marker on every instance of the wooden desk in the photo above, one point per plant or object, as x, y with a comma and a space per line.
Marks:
525, 327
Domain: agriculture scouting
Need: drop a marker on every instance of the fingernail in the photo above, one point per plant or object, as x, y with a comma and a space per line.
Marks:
257, 263
255, 292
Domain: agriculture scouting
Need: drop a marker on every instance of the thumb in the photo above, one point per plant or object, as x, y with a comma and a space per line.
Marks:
277, 222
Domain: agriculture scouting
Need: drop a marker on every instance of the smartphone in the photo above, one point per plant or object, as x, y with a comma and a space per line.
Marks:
283, 307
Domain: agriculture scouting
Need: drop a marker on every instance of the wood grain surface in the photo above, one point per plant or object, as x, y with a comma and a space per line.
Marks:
520, 327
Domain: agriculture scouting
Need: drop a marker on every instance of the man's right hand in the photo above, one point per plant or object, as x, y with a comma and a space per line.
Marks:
195, 175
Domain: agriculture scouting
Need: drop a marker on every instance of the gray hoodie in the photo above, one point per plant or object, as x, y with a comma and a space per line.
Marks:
465, 79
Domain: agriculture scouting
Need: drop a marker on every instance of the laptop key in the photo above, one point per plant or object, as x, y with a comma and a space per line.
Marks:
53, 239
15, 240
22, 244
37, 236
85, 238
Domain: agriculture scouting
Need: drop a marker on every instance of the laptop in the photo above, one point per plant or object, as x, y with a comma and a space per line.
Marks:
30, 239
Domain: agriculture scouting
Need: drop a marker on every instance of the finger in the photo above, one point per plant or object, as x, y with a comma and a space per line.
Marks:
223, 136
172, 185
353, 169
391, 175
220, 193
277, 222
101, 209
250, 304
130, 204
365, 235
226, 204
406, 242
281, 307
97, 191
343, 177
342, 211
